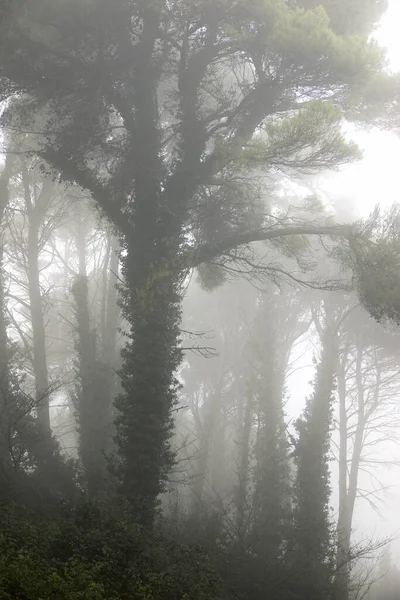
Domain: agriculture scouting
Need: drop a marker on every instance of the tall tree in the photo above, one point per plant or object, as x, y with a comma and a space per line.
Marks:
281, 320
368, 380
37, 198
313, 542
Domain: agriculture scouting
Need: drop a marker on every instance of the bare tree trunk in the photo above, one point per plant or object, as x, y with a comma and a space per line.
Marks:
212, 412
36, 209
81, 247
5, 459
349, 486
244, 467
344, 527
348, 481
110, 329
358, 440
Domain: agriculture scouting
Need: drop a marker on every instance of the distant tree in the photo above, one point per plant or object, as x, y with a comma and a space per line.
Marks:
282, 318
368, 384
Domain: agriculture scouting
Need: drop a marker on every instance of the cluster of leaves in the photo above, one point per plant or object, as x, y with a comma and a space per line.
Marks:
375, 262
379, 281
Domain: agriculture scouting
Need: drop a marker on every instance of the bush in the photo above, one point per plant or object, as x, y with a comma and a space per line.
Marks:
95, 552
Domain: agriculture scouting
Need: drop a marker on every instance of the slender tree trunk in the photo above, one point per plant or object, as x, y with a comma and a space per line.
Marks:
244, 466
104, 288
348, 482
358, 440
36, 209
5, 396
344, 525
111, 318
38, 328
95, 377
81, 246
272, 468
212, 410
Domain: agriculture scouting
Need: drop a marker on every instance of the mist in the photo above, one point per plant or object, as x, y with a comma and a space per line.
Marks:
200, 300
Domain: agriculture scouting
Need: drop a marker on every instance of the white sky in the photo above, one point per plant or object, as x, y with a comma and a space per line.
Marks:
376, 179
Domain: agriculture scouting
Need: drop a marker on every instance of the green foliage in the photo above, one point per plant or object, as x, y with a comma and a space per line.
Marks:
378, 280
374, 259
355, 17
311, 139
95, 552
305, 36
305, 141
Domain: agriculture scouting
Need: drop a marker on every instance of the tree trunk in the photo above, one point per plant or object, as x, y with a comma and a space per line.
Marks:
344, 524
111, 318
5, 396
36, 209
211, 415
144, 423
348, 482
93, 416
272, 469
244, 467
312, 532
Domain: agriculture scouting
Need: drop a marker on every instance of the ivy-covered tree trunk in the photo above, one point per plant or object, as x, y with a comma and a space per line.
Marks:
271, 477
144, 423
279, 324
152, 271
312, 548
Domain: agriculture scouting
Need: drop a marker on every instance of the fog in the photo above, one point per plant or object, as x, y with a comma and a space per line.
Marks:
200, 300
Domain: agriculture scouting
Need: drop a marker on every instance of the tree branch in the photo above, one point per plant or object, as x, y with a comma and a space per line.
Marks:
86, 180
208, 252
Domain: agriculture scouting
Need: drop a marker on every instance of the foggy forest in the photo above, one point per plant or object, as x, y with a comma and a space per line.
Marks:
199, 300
